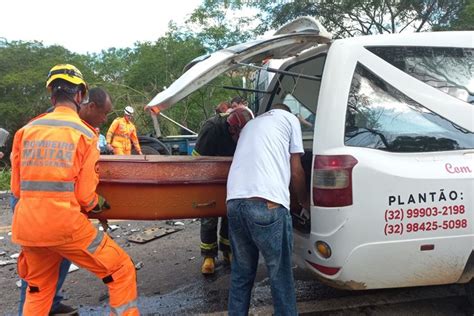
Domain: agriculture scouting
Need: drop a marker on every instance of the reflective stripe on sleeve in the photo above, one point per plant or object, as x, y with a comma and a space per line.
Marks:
96, 242
52, 186
58, 123
120, 310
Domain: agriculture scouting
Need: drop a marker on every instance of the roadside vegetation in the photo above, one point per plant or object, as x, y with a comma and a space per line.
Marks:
4, 179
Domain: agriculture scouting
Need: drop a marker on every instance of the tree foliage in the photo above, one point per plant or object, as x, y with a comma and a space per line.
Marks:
133, 76
362, 17
217, 25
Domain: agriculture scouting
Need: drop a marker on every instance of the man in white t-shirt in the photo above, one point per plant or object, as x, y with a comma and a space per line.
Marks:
267, 159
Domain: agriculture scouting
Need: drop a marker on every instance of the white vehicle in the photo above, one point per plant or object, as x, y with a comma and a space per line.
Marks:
390, 160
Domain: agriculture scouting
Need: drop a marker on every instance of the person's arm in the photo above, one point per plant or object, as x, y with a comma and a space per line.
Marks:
206, 142
110, 133
15, 163
298, 182
304, 121
134, 138
88, 177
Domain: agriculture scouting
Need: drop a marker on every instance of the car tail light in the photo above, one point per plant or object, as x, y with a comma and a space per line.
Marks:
332, 180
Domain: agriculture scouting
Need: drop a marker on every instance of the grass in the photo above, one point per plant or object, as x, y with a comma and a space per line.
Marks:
5, 179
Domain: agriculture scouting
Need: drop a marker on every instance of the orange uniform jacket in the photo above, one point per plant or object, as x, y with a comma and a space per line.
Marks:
120, 135
57, 154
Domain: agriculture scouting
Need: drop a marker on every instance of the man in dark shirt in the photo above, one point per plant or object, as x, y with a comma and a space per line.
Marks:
218, 137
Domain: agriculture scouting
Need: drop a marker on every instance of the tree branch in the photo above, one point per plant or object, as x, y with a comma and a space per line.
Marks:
425, 16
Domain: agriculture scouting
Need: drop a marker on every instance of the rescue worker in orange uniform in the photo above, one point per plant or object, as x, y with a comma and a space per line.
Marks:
122, 133
54, 176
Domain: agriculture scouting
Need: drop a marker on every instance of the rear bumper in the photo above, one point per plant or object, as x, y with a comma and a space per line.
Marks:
390, 264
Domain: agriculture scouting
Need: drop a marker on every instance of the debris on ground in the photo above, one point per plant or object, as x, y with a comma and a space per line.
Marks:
2, 252
174, 223
18, 283
73, 268
150, 234
139, 265
15, 255
7, 262
1, 237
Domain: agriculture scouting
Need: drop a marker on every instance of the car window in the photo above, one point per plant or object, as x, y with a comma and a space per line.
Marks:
304, 115
381, 117
448, 69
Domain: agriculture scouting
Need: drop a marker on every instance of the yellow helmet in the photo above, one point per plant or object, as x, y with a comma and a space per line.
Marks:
68, 73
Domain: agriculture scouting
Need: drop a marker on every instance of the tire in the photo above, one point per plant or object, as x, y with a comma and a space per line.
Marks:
148, 150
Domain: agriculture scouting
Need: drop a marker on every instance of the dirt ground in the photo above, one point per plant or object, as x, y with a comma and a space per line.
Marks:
170, 282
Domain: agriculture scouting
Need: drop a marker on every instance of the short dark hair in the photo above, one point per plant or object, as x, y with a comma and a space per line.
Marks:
98, 96
237, 99
280, 106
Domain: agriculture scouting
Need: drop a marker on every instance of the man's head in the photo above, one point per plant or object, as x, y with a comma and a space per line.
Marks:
280, 106
238, 102
95, 111
237, 120
222, 107
128, 113
66, 84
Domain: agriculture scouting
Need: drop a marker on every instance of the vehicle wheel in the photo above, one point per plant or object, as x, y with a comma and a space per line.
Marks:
148, 150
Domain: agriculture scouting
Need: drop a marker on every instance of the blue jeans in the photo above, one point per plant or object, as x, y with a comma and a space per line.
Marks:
63, 271
254, 228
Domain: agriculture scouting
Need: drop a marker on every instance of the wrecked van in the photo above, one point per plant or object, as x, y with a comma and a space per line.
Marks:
388, 131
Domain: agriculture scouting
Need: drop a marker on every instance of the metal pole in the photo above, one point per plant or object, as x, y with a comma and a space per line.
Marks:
184, 127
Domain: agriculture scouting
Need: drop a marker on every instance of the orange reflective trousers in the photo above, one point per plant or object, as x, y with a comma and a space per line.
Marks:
122, 151
98, 253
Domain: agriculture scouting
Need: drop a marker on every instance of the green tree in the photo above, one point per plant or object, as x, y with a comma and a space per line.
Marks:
23, 70
154, 67
464, 21
218, 25
359, 17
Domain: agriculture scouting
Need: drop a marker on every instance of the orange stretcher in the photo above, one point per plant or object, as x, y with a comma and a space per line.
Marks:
163, 187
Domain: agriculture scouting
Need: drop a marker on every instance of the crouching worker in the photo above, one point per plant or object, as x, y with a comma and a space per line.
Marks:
54, 177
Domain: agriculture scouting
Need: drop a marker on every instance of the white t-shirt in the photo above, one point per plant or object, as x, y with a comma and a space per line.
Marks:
261, 164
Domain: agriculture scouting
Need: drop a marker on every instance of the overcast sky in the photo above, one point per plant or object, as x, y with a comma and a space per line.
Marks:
91, 25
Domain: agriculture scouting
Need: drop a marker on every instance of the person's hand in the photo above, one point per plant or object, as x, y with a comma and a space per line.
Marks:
1, 155
101, 205
110, 148
140, 152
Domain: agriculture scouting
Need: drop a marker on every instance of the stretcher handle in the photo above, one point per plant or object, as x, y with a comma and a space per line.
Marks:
203, 205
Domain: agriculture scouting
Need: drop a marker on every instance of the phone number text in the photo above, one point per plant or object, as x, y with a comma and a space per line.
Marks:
401, 228
403, 213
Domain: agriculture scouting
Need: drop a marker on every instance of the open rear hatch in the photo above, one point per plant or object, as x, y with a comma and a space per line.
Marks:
163, 187
289, 40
